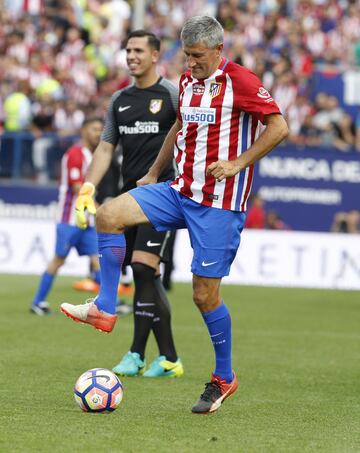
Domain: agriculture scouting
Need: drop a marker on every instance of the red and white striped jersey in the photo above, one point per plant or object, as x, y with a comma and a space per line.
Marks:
220, 120
74, 165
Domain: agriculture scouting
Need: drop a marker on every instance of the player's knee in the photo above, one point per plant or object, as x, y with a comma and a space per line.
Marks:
107, 221
204, 299
142, 272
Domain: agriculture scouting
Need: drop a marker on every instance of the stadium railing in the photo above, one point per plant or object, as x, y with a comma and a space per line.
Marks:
16, 154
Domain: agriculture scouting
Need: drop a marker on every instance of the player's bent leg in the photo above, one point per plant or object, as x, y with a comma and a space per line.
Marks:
111, 219
118, 213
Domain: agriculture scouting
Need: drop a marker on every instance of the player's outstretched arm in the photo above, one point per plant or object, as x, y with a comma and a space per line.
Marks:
275, 132
85, 201
166, 154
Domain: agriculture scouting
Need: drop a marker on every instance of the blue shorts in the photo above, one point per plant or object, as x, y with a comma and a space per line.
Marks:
214, 233
69, 236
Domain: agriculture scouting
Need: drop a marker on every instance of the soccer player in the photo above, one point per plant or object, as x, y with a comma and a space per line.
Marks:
74, 165
139, 117
216, 140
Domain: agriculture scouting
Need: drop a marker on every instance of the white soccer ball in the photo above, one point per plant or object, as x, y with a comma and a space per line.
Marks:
98, 390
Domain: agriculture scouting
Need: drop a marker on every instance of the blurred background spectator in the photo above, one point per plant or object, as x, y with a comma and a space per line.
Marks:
346, 222
274, 222
256, 214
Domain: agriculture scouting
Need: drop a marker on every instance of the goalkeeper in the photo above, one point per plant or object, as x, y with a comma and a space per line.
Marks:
139, 117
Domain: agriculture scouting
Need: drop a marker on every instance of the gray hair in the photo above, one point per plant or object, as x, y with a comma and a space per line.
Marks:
204, 29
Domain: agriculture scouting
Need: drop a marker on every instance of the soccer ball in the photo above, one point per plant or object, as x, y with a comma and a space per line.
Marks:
98, 390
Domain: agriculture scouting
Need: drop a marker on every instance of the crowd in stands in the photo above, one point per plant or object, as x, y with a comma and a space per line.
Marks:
261, 218
62, 59
258, 217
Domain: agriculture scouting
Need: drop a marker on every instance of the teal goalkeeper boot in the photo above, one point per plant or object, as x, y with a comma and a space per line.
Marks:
161, 367
130, 365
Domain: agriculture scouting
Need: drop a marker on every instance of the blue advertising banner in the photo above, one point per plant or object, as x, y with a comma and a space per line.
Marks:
307, 187
27, 194
27, 201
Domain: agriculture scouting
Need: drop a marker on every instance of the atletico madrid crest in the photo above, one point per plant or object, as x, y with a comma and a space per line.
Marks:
215, 88
155, 105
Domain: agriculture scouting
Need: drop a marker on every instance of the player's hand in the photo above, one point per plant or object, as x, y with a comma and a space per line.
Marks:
85, 201
223, 169
147, 179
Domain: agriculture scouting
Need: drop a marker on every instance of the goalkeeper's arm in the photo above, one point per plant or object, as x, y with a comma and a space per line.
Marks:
100, 162
99, 165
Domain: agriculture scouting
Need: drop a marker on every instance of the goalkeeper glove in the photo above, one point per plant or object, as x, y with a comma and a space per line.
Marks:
85, 201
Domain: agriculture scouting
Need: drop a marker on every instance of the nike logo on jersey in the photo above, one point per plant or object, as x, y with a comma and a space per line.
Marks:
144, 304
208, 264
123, 108
152, 244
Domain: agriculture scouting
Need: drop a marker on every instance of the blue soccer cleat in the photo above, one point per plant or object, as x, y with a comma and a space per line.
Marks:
161, 367
130, 365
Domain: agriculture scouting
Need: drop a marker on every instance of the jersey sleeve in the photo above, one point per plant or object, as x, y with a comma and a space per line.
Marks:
173, 93
75, 166
110, 132
251, 97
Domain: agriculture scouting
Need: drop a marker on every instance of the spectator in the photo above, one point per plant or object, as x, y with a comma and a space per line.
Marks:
346, 131
44, 140
256, 214
17, 109
274, 222
357, 132
68, 118
309, 134
346, 222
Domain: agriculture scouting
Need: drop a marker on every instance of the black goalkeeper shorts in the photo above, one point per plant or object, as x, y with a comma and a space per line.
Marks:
146, 239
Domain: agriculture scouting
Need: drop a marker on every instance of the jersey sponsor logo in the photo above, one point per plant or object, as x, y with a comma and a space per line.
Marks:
204, 264
141, 127
264, 94
198, 89
152, 244
155, 105
201, 115
74, 173
123, 108
215, 89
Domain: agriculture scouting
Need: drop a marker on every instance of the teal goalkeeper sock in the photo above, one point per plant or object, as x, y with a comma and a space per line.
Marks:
112, 250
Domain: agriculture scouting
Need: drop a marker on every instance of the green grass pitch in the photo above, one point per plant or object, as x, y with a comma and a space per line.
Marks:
297, 353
